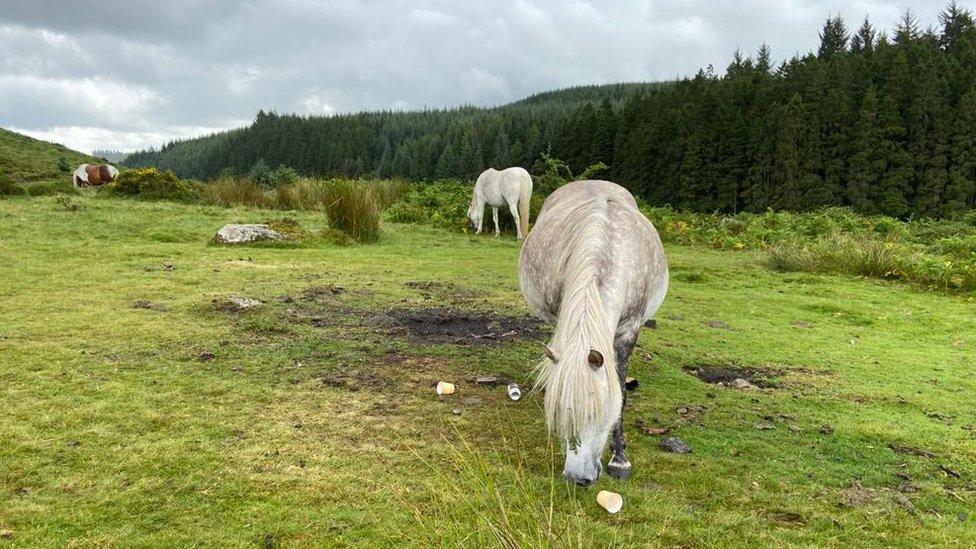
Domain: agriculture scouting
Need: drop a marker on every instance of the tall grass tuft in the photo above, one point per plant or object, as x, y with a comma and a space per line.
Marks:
231, 191
353, 208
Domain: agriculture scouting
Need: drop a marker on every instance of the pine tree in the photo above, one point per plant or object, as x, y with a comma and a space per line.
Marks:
907, 30
891, 194
833, 38
601, 150
764, 62
866, 165
960, 192
863, 41
957, 25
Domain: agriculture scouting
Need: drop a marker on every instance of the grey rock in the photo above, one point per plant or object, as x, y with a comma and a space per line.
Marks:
235, 304
739, 383
675, 445
243, 233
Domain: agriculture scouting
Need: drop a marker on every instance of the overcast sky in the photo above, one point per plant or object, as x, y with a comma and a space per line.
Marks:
127, 74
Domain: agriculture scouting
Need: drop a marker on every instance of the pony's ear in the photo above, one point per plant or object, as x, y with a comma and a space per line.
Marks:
550, 353
595, 359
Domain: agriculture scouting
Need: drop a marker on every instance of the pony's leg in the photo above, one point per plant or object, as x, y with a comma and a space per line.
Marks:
619, 466
494, 215
518, 225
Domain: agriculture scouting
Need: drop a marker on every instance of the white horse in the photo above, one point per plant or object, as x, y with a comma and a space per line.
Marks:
594, 266
512, 186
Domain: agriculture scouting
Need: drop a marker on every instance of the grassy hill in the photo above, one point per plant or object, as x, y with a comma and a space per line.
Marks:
25, 159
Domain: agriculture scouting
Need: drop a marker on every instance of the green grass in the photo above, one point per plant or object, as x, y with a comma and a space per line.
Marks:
27, 160
120, 429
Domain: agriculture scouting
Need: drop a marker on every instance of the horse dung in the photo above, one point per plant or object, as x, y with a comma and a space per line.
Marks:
611, 501
445, 388
514, 393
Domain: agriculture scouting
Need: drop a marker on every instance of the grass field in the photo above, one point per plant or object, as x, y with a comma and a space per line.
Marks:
139, 411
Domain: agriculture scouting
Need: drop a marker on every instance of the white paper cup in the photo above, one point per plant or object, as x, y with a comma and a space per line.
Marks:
514, 392
445, 388
611, 501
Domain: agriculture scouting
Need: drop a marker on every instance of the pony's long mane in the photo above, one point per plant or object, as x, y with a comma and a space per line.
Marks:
571, 400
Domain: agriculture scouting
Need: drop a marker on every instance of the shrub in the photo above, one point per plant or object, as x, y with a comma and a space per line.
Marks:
8, 187
283, 175
260, 173
441, 204
63, 165
154, 184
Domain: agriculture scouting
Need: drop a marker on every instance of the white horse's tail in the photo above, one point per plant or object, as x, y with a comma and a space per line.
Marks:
582, 326
524, 206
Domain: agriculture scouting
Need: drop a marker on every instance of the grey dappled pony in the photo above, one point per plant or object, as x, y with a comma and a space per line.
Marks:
595, 267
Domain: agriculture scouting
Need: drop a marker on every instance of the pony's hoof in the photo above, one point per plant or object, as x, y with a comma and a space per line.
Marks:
619, 469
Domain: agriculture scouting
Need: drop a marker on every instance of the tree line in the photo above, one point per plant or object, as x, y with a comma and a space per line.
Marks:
883, 124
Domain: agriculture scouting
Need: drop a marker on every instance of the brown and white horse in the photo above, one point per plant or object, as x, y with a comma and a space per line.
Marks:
94, 175
594, 266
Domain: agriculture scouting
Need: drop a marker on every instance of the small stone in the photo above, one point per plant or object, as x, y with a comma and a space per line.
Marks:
456, 411
906, 503
717, 324
236, 304
486, 380
675, 445
206, 356
739, 383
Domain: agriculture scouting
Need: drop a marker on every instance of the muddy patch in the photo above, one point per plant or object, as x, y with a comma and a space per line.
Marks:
149, 306
443, 291
354, 379
439, 325
729, 375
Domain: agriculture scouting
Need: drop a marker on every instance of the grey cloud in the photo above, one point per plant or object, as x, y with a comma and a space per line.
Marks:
131, 73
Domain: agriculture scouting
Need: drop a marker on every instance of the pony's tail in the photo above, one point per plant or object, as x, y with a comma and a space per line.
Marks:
525, 201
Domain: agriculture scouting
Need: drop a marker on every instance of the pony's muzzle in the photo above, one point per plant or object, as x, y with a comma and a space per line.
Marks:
582, 470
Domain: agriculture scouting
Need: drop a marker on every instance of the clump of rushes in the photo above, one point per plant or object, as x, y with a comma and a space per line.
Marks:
353, 208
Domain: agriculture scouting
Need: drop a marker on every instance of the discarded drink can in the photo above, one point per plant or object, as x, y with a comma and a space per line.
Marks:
514, 392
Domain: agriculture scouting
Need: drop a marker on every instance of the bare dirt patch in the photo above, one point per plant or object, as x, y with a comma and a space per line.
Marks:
355, 379
727, 375
149, 305
443, 291
438, 325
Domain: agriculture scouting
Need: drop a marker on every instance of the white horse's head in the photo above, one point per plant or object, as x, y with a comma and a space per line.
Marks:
475, 212
582, 403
